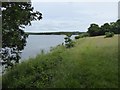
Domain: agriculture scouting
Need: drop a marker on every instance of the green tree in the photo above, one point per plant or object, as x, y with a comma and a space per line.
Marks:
15, 16
68, 41
105, 28
94, 30
112, 27
117, 26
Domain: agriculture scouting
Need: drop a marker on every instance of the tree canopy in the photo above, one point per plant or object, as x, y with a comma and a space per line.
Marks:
15, 16
95, 30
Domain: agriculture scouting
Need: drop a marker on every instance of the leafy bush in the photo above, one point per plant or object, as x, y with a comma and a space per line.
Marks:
86, 35
33, 73
77, 37
82, 35
68, 41
109, 34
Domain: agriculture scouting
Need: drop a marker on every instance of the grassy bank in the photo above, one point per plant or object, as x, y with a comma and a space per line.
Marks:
92, 63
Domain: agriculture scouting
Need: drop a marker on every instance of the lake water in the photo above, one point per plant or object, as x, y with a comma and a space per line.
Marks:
36, 43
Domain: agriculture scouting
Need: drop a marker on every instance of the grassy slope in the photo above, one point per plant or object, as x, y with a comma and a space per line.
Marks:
93, 62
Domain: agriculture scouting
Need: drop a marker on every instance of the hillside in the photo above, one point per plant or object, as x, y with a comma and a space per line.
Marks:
92, 63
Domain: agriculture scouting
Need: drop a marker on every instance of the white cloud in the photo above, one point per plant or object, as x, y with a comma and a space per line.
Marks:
73, 16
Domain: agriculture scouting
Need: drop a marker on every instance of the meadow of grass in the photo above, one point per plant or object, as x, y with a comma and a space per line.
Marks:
91, 63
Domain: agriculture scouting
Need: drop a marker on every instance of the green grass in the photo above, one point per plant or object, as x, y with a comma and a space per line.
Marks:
92, 63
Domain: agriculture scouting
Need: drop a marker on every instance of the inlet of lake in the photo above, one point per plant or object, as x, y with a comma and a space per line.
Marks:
36, 43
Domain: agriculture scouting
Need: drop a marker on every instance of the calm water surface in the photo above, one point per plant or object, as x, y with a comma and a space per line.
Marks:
36, 43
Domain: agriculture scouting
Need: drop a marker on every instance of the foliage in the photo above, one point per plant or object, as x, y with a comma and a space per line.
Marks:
77, 67
104, 28
15, 16
68, 41
109, 34
54, 33
95, 30
85, 34
35, 74
77, 37
117, 27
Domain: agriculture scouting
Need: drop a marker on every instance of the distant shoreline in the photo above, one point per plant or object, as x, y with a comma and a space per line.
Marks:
53, 33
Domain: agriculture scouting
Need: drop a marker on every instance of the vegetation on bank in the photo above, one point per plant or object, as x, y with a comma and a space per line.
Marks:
109, 34
112, 27
91, 63
15, 16
14, 37
55, 33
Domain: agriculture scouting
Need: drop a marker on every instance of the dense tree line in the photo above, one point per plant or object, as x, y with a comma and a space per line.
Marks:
96, 30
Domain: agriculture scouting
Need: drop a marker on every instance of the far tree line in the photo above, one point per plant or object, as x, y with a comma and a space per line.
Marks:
96, 30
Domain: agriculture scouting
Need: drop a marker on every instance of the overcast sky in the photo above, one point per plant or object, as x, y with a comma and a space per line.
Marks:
72, 16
